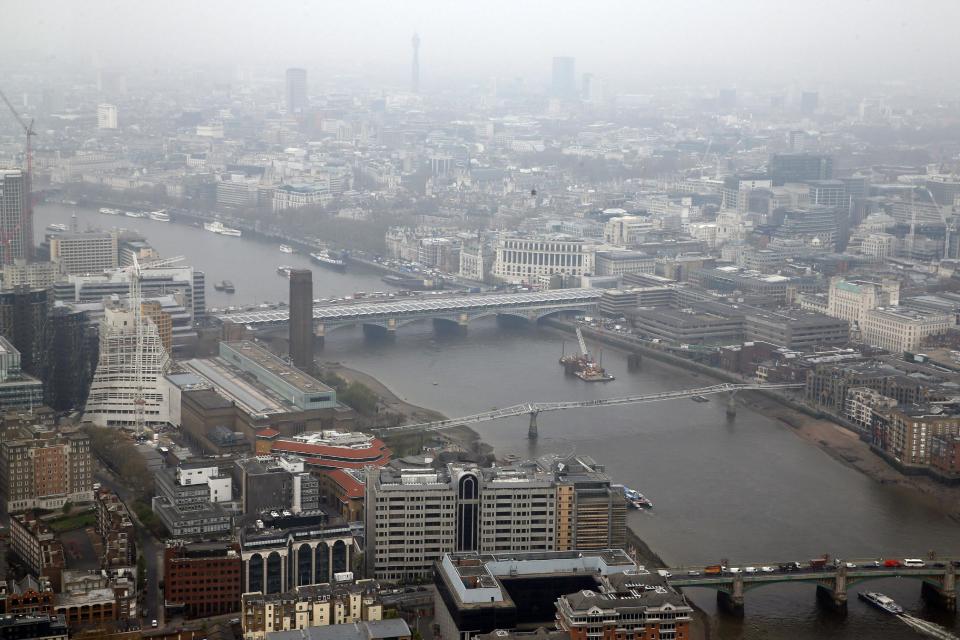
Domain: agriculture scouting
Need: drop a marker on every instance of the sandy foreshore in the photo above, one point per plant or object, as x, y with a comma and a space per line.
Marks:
462, 437
846, 447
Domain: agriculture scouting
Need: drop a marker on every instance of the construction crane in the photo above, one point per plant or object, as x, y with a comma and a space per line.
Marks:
136, 303
583, 344
533, 409
29, 132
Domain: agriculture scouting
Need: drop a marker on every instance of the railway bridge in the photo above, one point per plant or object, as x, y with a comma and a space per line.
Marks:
457, 310
938, 581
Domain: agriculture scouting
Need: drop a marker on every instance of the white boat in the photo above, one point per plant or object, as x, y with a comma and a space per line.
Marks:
284, 270
110, 212
285, 248
135, 214
882, 602
56, 227
217, 227
329, 260
159, 216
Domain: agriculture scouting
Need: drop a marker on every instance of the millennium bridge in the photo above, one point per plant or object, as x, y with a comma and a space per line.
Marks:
457, 310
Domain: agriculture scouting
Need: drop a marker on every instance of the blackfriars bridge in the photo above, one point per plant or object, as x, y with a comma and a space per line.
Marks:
458, 310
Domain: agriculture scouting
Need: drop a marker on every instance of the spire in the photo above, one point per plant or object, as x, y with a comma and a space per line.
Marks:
415, 69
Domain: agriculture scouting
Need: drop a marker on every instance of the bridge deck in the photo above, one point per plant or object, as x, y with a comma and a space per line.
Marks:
420, 306
681, 579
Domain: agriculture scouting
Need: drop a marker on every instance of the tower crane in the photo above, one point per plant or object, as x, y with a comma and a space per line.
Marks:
136, 303
28, 187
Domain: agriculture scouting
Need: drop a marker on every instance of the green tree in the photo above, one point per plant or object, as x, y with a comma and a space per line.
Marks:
67, 506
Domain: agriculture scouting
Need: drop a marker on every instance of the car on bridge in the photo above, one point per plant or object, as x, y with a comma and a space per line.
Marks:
892, 563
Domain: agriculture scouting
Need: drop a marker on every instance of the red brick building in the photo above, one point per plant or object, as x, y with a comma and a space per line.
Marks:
116, 528
945, 456
202, 579
342, 493
28, 596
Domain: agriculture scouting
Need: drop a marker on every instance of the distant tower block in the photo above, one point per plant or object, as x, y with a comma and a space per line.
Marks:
296, 90
301, 319
415, 69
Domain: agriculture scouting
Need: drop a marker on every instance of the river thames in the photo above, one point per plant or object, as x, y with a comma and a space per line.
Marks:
747, 490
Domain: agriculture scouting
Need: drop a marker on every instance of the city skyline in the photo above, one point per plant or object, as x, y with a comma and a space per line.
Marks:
632, 44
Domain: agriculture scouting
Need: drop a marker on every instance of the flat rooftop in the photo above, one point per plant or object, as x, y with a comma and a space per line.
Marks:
277, 366
230, 383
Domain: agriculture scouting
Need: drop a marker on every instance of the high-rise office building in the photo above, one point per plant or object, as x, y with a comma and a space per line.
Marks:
301, 319
106, 116
17, 390
415, 69
23, 320
72, 361
799, 167
81, 253
416, 513
564, 84
809, 101
16, 221
296, 90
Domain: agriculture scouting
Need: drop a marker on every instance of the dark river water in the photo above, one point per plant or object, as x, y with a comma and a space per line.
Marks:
747, 490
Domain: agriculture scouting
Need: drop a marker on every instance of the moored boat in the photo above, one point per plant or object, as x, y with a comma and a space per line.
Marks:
329, 260
284, 270
285, 248
56, 227
159, 216
217, 227
636, 499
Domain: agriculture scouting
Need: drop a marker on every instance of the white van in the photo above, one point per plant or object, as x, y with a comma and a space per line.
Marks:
913, 562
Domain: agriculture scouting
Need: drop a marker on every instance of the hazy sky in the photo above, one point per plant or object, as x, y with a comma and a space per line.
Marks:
806, 41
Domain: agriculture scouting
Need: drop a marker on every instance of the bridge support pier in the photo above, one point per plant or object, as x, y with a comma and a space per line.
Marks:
832, 599
633, 362
941, 596
449, 327
319, 333
732, 406
378, 332
729, 604
532, 430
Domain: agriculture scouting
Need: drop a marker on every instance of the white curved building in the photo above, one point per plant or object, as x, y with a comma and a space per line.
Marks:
111, 401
